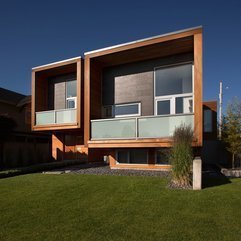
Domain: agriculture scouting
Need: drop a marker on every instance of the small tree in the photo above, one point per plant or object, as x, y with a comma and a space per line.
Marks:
182, 156
232, 129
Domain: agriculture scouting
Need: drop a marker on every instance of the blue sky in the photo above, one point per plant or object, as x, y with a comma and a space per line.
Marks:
33, 33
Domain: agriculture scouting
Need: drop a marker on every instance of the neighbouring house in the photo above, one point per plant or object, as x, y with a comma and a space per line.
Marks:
122, 102
21, 146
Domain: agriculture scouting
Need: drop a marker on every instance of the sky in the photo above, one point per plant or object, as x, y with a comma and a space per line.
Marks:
34, 33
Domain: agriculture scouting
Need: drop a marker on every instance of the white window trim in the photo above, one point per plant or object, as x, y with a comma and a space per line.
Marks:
72, 97
170, 97
75, 101
172, 104
127, 115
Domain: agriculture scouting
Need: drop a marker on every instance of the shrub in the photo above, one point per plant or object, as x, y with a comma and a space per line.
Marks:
181, 155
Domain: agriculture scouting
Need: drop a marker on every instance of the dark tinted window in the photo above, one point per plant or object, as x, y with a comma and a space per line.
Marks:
173, 80
208, 121
126, 109
134, 156
163, 107
162, 156
71, 88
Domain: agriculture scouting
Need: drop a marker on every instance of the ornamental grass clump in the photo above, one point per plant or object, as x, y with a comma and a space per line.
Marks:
182, 156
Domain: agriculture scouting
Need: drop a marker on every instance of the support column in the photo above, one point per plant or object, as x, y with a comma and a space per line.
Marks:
197, 174
58, 147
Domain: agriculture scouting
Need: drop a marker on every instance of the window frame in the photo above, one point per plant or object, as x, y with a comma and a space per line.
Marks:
74, 98
75, 101
127, 104
172, 98
124, 115
129, 154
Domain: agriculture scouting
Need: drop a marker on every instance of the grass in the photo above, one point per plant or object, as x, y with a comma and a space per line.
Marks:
37, 168
87, 207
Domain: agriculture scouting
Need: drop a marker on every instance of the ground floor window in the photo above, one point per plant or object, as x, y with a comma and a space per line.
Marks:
132, 156
163, 156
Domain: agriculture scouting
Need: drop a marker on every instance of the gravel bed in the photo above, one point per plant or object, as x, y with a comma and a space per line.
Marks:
105, 170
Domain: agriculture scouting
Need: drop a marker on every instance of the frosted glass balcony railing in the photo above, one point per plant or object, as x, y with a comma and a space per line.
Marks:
65, 116
139, 127
113, 128
162, 126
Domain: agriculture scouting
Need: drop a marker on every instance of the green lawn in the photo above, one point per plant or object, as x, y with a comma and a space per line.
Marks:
87, 207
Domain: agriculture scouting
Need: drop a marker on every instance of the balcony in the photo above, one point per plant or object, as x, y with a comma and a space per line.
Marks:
52, 117
138, 127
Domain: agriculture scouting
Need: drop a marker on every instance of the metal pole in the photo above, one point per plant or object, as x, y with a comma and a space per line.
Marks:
220, 109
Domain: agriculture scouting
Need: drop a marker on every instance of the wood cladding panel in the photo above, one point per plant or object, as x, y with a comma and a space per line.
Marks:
95, 91
198, 109
41, 94
141, 166
169, 48
147, 42
86, 101
58, 146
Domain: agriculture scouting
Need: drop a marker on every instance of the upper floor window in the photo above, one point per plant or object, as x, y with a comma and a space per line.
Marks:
71, 93
173, 80
174, 90
122, 110
131, 109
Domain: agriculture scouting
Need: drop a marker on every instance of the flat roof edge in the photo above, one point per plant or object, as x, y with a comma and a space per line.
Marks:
142, 40
54, 63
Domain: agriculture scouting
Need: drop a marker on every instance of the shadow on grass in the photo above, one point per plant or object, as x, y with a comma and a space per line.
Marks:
38, 168
212, 176
215, 181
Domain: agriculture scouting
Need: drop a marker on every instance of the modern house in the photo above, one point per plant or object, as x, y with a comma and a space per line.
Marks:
122, 102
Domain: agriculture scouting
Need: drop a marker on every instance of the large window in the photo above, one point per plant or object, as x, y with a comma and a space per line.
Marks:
174, 90
133, 156
71, 93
